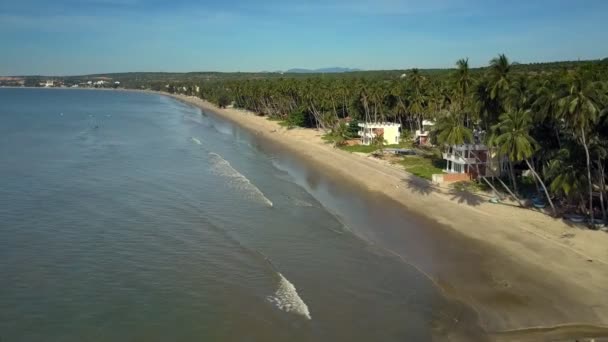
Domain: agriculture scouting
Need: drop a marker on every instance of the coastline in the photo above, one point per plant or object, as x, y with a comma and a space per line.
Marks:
544, 278
534, 278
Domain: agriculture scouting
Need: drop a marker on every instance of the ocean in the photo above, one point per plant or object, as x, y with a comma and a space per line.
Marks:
127, 216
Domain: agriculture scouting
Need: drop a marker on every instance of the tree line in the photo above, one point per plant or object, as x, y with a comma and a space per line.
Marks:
549, 119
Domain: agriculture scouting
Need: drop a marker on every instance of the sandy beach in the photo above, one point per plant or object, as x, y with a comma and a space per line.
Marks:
535, 277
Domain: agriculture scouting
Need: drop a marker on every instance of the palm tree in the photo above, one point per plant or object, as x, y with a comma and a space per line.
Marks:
546, 107
417, 96
463, 83
519, 94
580, 108
599, 147
565, 175
416, 79
379, 142
340, 133
499, 76
451, 131
486, 108
514, 141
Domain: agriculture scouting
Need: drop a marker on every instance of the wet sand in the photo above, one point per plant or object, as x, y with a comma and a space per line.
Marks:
527, 276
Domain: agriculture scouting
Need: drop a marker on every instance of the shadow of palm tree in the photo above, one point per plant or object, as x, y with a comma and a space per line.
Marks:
419, 186
463, 196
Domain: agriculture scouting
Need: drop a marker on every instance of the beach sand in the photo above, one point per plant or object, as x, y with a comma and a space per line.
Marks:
528, 277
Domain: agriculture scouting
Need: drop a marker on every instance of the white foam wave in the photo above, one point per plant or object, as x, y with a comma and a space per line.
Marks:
235, 179
196, 141
287, 299
301, 203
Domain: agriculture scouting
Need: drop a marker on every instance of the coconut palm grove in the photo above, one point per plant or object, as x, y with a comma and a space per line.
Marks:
548, 120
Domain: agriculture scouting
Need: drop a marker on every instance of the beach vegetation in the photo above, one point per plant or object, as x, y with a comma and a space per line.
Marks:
549, 121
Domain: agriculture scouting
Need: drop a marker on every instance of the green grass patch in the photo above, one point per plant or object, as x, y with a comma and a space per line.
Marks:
328, 138
359, 148
281, 122
421, 166
370, 149
470, 186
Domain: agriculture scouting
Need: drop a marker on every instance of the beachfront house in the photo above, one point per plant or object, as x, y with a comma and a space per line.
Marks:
422, 136
471, 160
389, 130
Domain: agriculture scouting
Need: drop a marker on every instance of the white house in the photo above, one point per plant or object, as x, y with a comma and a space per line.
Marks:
423, 135
390, 131
49, 84
473, 158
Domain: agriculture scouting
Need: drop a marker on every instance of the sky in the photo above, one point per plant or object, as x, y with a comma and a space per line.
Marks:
73, 37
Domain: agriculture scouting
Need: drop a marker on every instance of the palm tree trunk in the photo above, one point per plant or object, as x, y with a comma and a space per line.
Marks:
512, 174
510, 192
600, 168
477, 160
333, 103
588, 176
581, 206
544, 187
559, 141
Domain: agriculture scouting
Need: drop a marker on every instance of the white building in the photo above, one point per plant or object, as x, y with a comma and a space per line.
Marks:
423, 135
469, 158
390, 131
49, 84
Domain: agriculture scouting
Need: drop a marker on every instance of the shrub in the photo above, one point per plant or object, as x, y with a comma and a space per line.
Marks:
353, 129
223, 101
296, 119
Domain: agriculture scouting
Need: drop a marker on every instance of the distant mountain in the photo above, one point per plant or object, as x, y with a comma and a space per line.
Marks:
320, 71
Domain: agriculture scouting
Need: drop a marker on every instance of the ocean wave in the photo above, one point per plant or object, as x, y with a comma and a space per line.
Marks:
196, 141
286, 298
300, 203
236, 180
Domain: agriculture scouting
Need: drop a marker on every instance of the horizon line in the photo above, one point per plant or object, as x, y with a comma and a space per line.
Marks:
312, 70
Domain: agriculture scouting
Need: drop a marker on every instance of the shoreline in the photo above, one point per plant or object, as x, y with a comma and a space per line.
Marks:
532, 277
535, 255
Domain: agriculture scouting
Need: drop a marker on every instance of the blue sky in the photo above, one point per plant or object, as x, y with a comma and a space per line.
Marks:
67, 37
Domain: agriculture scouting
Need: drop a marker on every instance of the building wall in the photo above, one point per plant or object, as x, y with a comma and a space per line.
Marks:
456, 177
451, 177
391, 135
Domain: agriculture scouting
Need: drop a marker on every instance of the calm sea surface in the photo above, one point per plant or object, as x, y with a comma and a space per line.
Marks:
133, 217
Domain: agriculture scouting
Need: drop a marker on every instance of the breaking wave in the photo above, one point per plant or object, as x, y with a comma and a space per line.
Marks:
301, 203
287, 299
196, 141
235, 179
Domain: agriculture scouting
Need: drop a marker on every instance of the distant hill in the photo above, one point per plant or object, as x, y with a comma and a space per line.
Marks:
333, 70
